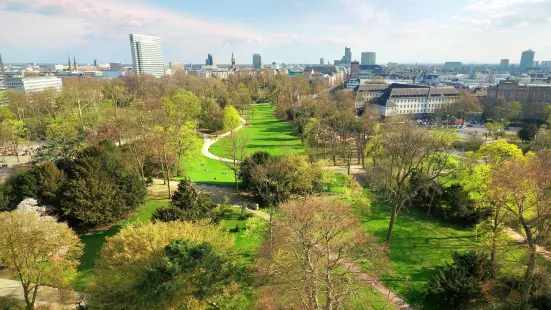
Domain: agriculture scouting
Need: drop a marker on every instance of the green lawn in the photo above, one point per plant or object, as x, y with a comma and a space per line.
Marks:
94, 241
218, 174
266, 133
421, 244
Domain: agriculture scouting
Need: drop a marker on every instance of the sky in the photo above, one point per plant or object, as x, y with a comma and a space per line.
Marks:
288, 31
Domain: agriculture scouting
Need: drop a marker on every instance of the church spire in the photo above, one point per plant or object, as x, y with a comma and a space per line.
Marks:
233, 61
70, 68
75, 67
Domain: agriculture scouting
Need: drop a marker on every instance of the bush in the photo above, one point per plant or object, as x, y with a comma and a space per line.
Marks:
528, 132
167, 214
194, 205
19, 185
452, 204
459, 286
471, 144
247, 166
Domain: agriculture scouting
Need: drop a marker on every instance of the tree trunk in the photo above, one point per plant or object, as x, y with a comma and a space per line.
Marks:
28, 301
391, 224
529, 275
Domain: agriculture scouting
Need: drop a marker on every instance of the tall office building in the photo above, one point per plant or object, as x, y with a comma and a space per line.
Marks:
2, 75
210, 61
504, 64
527, 60
257, 61
147, 55
322, 61
369, 58
347, 55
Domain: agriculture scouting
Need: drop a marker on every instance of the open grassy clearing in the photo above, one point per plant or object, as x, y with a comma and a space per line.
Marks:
218, 173
266, 133
421, 244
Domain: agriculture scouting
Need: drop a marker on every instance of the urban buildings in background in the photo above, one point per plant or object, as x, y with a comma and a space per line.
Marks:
369, 58
453, 65
2, 75
147, 55
504, 64
513, 91
210, 61
176, 66
527, 60
257, 61
34, 84
346, 59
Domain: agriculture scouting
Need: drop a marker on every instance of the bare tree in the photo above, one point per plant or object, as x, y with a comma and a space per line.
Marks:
236, 150
405, 152
307, 265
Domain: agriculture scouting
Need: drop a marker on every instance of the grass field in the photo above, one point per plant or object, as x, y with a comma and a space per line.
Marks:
94, 241
266, 133
218, 174
421, 244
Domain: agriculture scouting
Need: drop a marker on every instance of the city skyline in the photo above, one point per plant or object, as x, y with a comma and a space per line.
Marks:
430, 31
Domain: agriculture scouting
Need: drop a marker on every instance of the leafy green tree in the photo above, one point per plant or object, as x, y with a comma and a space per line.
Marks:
49, 180
194, 205
19, 185
167, 214
99, 189
494, 128
39, 249
63, 141
232, 120
247, 165
190, 270
127, 257
14, 133
527, 133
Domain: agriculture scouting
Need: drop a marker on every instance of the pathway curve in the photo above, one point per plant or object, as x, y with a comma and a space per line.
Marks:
517, 237
47, 297
211, 139
236, 201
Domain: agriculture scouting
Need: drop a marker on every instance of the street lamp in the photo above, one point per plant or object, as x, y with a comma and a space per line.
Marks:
448, 120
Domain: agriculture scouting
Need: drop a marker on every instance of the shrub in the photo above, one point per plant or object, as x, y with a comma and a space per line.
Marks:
19, 185
167, 214
188, 204
459, 286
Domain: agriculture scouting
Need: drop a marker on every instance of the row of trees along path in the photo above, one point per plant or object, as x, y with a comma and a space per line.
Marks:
365, 278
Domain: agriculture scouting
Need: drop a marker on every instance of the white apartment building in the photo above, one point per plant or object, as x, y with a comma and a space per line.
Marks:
414, 100
367, 93
147, 55
34, 83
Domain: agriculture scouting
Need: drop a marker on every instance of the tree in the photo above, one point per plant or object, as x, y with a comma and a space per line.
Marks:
39, 249
126, 258
283, 178
99, 190
232, 120
49, 180
193, 205
521, 186
474, 175
14, 133
190, 271
494, 128
186, 144
406, 152
19, 185
247, 165
305, 263
527, 133
163, 152
236, 149
63, 140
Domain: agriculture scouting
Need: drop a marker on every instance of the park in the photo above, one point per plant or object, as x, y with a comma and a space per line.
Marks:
413, 202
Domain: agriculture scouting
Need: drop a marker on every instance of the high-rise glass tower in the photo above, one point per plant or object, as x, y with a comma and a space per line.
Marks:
257, 61
527, 60
369, 58
2, 76
147, 55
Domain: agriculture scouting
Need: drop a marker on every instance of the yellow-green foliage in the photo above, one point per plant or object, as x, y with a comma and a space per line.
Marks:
127, 256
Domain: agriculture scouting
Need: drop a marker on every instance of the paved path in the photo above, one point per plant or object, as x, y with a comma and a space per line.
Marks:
211, 139
47, 297
517, 237
355, 171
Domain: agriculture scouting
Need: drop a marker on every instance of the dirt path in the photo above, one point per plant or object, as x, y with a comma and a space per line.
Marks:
517, 237
47, 297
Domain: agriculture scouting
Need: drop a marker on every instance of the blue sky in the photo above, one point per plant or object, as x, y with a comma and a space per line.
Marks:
292, 31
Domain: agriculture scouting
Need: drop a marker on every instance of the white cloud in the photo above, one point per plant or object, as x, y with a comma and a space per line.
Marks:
487, 5
473, 21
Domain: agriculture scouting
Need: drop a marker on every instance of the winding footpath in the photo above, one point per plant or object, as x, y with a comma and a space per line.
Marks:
363, 277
